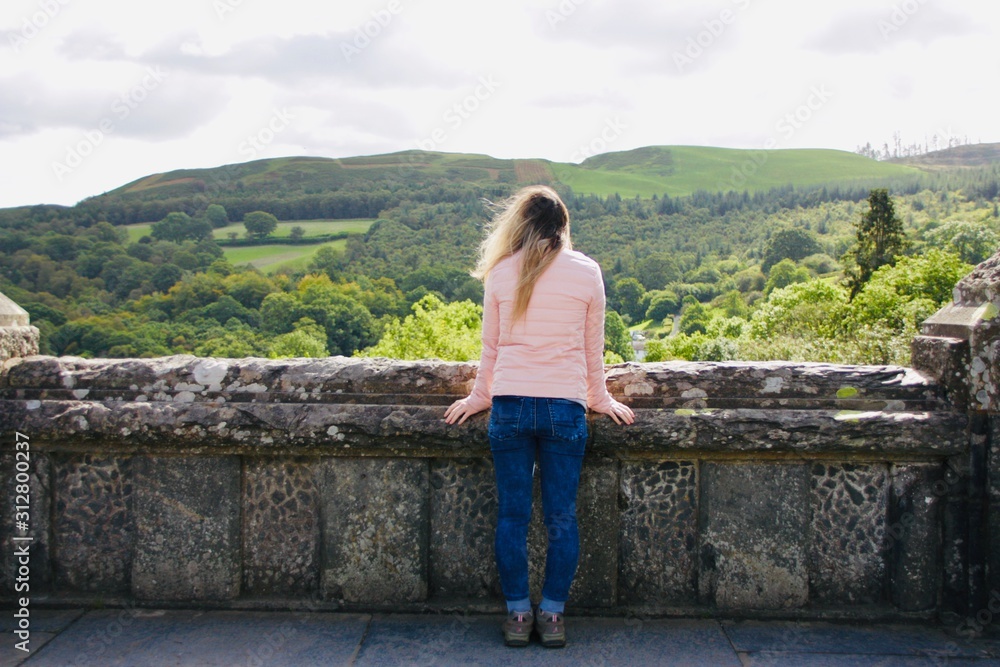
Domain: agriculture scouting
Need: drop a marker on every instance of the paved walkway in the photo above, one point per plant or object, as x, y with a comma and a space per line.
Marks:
147, 637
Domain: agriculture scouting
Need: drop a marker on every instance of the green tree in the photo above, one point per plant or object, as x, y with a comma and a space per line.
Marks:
165, 276
259, 224
656, 350
308, 339
694, 317
732, 304
658, 270
178, 227
909, 291
296, 233
879, 241
435, 330
972, 241
626, 297
815, 308
783, 274
616, 336
349, 325
661, 305
792, 243
216, 215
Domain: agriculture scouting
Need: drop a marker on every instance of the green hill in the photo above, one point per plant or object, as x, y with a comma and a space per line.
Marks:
681, 170
675, 170
968, 156
314, 175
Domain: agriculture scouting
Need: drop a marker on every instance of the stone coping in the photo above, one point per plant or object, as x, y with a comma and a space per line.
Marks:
352, 406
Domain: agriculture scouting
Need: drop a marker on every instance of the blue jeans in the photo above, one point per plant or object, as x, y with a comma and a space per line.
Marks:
554, 430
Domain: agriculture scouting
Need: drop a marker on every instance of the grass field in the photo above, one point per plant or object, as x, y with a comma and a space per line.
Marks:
681, 170
272, 258
312, 227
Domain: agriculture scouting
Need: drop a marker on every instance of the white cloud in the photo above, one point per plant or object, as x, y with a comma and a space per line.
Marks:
385, 75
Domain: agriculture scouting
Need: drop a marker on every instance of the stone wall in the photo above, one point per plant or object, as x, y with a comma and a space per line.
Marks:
745, 489
801, 489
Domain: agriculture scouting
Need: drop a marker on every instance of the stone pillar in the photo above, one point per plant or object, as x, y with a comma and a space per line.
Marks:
960, 349
17, 337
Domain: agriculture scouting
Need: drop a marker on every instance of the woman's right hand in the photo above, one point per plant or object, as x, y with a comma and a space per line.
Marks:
459, 411
621, 413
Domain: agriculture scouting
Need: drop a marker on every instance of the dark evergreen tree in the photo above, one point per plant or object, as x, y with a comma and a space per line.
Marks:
880, 240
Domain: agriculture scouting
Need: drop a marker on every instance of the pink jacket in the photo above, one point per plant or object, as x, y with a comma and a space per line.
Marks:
557, 349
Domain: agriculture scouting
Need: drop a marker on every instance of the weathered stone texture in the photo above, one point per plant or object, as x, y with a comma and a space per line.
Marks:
16, 342
17, 337
375, 522
914, 536
847, 554
187, 516
39, 527
254, 404
659, 533
946, 360
786, 430
463, 522
754, 528
597, 508
94, 526
280, 527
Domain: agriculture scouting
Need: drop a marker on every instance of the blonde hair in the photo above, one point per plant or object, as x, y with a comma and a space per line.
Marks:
535, 221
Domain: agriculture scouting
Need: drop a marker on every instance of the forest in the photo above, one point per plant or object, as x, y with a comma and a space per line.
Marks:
777, 273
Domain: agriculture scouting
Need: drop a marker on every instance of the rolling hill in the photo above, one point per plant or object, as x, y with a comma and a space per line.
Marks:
674, 170
958, 157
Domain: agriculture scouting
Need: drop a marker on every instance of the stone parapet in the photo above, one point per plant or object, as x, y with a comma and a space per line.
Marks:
742, 488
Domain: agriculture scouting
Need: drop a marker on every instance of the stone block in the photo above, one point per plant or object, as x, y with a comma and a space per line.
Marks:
595, 583
187, 518
38, 510
754, 524
280, 527
659, 533
847, 554
375, 519
914, 536
94, 526
463, 523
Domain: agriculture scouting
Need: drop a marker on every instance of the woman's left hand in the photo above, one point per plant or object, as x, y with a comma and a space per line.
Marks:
621, 413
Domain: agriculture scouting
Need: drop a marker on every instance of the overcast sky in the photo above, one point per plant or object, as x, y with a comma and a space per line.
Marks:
96, 93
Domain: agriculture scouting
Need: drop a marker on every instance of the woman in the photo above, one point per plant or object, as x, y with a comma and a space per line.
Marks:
542, 366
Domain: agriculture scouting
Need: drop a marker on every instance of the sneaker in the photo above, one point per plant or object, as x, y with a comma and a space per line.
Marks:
551, 629
517, 628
